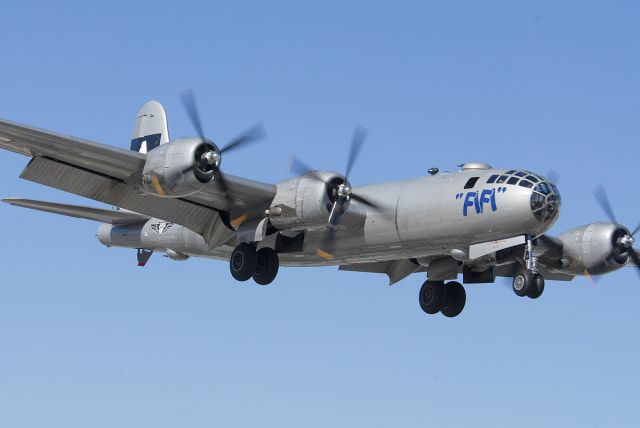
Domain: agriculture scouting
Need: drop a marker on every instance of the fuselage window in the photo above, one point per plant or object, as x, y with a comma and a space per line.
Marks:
526, 184
512, 180
492, 179
471, 182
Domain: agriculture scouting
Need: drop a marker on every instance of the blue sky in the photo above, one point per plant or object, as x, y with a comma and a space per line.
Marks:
89, 339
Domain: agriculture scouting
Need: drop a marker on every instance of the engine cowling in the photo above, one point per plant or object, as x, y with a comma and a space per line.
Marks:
303, 203
180, 168
594, 249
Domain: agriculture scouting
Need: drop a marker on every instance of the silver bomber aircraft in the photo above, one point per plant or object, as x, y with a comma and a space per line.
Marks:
172, 197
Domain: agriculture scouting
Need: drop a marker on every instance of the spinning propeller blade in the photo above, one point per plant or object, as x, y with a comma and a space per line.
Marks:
189, 101
366, 201
553, 176
213, 159
298, 167
603, 200
359, 135
342, 192
625, 243
251, 135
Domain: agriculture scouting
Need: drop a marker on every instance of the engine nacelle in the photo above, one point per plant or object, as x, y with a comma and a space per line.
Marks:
178, 169
303, 203
594, 249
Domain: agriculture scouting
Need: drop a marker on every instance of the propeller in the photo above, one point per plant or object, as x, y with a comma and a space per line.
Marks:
209, 156
623, 242
553, 176
340, 190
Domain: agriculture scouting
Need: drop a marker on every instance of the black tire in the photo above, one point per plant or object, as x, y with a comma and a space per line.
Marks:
537, 288
243, 262
522, 282
431, 296
454, 299
267, 264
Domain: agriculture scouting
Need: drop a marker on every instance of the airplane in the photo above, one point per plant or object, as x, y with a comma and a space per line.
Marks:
171, 196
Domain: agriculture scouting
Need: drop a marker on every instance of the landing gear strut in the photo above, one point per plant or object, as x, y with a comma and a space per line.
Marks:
246, 263
447, 299
528, 282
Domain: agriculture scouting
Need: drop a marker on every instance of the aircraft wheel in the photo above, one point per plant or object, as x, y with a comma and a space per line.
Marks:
267, 265
522, 282
537, 287
454, 299
431, 296
243, 262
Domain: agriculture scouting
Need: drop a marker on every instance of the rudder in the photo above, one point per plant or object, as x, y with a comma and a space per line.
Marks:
151, 128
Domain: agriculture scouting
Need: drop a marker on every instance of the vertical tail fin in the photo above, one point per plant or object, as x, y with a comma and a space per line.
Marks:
150, 129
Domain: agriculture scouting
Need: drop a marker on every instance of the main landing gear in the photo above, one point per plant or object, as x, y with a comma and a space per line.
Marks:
447, 299
528, 281
246, 262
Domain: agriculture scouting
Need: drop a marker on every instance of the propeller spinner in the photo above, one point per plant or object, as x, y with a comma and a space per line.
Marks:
341, 192
210, 156
623, 242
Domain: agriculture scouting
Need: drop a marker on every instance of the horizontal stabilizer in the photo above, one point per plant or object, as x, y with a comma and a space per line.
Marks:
78, 211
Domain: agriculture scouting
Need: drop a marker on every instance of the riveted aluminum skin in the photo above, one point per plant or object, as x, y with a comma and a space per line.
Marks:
590, 249
428, 214
155, 234
302, 202
170, 169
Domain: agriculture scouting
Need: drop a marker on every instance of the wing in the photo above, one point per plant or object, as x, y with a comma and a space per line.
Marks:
109, 174
396, 270
112, 161
116, 217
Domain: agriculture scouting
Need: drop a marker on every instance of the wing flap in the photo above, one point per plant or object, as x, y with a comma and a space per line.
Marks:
199, 218
117, 217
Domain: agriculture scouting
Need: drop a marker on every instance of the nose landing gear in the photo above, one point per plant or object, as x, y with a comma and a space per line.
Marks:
447, 299
529, 282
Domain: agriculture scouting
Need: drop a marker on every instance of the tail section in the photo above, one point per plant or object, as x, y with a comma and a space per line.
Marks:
150, 129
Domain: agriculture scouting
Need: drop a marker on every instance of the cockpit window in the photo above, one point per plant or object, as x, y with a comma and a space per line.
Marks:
545, 201
513, 171
543, 188
527, 184
512, 180
471, 182
532, 178
502, 179
555, 189
520, 174
492, 179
